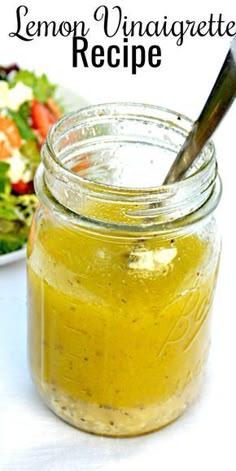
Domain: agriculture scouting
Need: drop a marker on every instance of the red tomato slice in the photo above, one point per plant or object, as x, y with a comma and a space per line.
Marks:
42, 118
81, 166
23, 188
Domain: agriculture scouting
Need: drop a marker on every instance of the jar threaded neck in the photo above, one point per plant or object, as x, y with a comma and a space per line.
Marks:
97, 135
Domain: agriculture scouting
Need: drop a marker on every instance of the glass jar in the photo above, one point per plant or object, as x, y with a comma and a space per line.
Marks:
121, 270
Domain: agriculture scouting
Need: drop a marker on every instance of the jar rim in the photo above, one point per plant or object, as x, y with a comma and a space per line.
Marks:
82, 114
155, 202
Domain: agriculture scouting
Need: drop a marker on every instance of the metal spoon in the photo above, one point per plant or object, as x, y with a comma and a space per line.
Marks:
218, 103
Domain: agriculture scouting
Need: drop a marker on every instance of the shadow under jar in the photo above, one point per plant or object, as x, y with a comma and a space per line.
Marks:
121, 270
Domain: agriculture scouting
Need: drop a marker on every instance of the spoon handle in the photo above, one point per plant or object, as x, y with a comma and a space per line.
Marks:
219, 101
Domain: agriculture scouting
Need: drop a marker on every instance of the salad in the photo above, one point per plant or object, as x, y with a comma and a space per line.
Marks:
28, 109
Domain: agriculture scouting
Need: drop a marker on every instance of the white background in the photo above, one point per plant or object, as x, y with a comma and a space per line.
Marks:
31, 438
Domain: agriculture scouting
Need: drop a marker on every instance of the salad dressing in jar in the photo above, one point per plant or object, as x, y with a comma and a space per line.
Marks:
121, 270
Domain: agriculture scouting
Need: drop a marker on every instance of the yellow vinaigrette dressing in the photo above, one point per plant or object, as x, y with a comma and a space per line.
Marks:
121, 280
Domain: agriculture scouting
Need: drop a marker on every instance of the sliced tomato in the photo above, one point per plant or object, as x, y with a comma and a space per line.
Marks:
10, 137
81, 166
42, 118
23, 188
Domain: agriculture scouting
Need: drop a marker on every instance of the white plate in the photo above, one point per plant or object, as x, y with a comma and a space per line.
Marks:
70, 101
12, 256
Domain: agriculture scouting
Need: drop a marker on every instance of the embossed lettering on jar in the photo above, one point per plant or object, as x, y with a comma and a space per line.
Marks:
121, 270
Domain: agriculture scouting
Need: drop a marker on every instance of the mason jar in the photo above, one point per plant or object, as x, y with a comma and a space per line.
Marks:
121, 270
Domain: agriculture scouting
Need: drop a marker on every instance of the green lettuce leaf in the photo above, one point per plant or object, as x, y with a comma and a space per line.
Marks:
10, 243
4, 167
24, 110
16, 214
30, 151
24, 129
5, 185
42, 88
